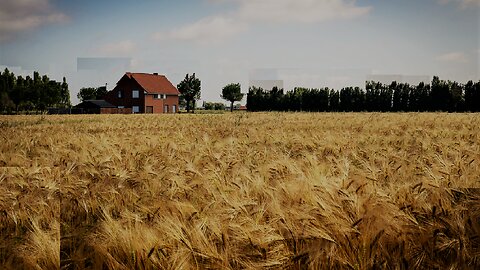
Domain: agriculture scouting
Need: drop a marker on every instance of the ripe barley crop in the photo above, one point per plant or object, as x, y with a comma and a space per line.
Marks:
235, 191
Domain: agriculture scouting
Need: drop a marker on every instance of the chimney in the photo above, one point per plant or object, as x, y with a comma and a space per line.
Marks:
155, 73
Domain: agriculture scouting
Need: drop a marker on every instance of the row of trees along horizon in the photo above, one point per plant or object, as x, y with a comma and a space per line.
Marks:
38, 93
440, 95
32, 94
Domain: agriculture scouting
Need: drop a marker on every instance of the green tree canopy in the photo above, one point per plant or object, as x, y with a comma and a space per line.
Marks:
101, 92
65, 94
26, 94
189, 90
231, 92
87, 93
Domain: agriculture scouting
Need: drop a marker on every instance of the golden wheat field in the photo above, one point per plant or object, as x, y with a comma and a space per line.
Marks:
240, 191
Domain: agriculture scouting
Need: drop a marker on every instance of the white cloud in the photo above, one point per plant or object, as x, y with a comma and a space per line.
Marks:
207, 30
303, 11
247, 12
120, 48
453, 57
23, 15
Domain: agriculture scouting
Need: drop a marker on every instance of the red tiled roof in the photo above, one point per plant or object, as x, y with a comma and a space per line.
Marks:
154, 83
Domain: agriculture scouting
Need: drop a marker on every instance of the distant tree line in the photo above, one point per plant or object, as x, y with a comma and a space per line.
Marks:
28, 94
440, 95
214, 106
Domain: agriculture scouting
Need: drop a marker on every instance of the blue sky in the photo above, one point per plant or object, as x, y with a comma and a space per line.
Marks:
310, 43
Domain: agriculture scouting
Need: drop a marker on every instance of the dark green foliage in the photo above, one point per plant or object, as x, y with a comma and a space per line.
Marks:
256, 99
401, 96
65, 94
315, 100
101, 92
472, 96
352, 99
334, 101
189, 90
232, 92
377, 97
89, 93
440, 95
420, 98
456, 96
218, 106
27, 94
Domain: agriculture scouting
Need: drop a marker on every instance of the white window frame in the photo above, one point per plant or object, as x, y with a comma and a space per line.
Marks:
135, 109
121, 107
136, 94
174, 108
119, 94
159, 96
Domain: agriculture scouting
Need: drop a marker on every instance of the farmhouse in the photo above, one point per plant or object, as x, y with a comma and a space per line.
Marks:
144, 93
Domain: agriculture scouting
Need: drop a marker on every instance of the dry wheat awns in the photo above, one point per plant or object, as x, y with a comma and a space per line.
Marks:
240, 191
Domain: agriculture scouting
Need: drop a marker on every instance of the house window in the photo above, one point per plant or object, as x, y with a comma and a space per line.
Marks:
121, 107
136, 109
174, 108
119, 94
165, 109
159, 96
135, 94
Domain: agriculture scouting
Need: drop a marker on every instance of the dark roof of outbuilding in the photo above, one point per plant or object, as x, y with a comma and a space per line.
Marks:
99, 103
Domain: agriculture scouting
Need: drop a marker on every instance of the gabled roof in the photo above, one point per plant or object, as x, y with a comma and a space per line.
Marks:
99, 103
154, 83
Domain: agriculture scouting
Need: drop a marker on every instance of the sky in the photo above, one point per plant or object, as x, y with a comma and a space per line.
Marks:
305, 43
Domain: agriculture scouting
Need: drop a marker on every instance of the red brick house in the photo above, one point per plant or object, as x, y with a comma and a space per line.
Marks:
144, 93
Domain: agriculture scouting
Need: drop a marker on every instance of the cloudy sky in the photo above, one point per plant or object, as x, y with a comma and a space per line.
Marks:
311, 43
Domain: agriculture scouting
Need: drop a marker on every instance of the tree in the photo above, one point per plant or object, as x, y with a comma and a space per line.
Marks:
457, 97
472, 96
352, 99
65, 94
440, 96
20, 93
255, 99
101, 92
419, 98
6, 104
189, 90
231, 92
334, 101
275, 99
214, 106
87, 93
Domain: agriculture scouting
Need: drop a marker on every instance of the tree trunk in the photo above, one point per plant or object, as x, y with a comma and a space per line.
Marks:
188, 105
231, 106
